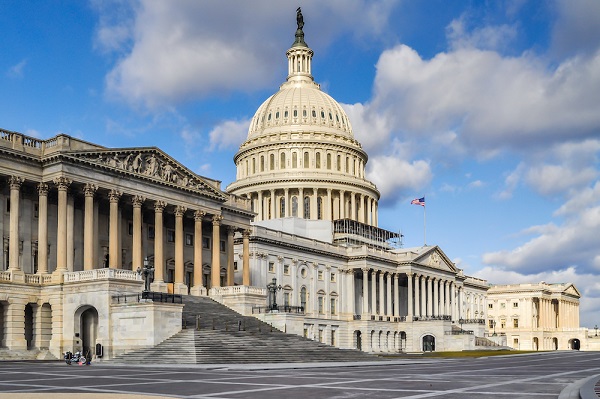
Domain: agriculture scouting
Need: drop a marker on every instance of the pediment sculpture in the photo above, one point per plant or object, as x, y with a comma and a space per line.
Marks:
152, 164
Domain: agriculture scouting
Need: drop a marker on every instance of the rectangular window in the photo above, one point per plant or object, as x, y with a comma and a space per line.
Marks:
502, 323
320, 305
516, 342
170, 235
516, 323
7, 205
502, 305
151, 232
222, 245
491, 323
515, 305
271, 267
332, 277
320, 275
490, 306
189, 239
206, 242
36, 210
235, 267
286, 270
332, 305
320, 335
333, 340
130, 228
286, 299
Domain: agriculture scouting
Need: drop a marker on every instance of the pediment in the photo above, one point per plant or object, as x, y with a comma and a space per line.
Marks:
436, 259
150, 164
571, 290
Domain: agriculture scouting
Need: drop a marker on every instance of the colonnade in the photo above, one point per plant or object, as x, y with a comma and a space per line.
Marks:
555, 313
65, 234
315, 204
427, 296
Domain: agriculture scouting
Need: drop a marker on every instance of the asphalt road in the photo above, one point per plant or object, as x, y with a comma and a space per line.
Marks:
537, 376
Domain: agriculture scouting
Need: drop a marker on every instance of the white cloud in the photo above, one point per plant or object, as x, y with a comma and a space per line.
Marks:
572, 243
16, 71
485, 37
196, 49
395, 177
229, 134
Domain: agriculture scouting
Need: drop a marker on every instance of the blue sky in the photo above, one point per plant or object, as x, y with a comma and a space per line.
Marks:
489, 109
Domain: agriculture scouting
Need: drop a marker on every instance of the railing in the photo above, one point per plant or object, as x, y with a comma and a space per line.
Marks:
238, 289
471, 321
279, 309
356, 317
148, 295
459, 332
4, 276
431, 318
101, 274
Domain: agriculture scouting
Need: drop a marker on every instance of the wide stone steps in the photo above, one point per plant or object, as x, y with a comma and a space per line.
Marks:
218, 341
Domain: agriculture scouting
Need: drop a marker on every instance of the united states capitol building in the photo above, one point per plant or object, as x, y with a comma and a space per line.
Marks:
293, 241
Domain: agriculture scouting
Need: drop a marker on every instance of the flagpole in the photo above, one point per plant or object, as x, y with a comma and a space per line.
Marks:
424, 227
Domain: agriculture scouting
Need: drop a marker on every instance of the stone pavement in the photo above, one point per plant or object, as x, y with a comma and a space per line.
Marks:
539, 376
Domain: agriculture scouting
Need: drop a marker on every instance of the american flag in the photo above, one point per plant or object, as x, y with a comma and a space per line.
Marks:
418, 201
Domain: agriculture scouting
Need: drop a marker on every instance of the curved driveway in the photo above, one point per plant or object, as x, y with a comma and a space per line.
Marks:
535, 376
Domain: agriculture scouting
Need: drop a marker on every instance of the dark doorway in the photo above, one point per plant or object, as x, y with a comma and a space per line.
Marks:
29, 326
428, 343
575, 344
88, 330
358, 340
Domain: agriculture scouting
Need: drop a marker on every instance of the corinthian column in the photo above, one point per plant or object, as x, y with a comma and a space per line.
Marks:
409, 313
198, 288
216, 252
43, 229
365, 291
88, 227
179, 287
230, 271
113, 229
15, 183
61, 232
137, 202
246, 257
159, 263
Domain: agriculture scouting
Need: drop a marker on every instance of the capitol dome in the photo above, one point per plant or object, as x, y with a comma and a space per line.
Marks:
300, 158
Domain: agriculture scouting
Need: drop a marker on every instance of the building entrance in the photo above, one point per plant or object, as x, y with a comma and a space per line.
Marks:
87, 323
428, 343
575, 344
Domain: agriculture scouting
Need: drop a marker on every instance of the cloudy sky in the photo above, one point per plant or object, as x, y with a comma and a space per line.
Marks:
489, 109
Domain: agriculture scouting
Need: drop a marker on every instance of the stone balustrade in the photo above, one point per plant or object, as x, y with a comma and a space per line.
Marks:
102, 274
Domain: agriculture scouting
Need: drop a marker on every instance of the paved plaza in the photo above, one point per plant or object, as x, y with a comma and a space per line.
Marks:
538, 376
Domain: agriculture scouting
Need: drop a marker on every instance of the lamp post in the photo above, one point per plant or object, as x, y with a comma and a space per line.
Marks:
596, 328
273, 288
147, 272
494, 326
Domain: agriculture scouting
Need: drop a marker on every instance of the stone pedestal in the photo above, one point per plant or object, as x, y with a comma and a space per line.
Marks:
159, 287
198, 290
180, 288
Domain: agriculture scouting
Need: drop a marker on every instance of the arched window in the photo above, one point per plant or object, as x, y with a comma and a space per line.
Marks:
282, 161
272, 162
268, 204
295, 206
303, 297
347, 165
306, 160
282, 207
318, 160
253, 165
328, 161
307, 207
339, 163
262, 163
294, 159
319, 208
